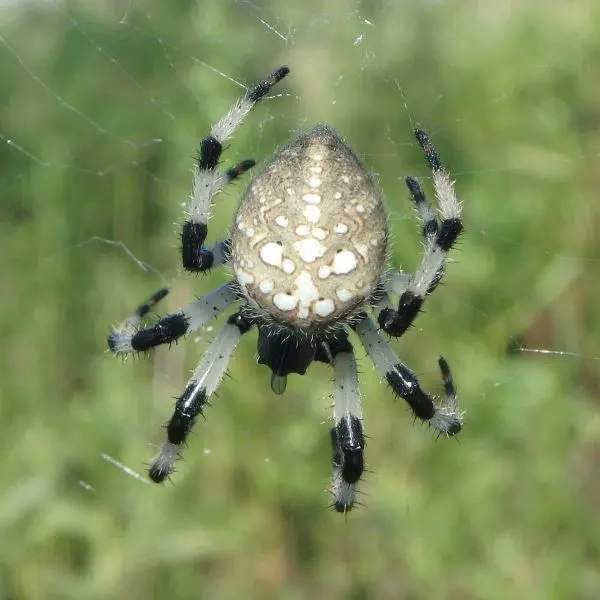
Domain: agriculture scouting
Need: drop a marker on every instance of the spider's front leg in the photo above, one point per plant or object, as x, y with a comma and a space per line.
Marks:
439, 238
208, 181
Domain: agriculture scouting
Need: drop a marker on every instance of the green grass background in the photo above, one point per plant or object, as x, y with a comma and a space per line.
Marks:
510, 92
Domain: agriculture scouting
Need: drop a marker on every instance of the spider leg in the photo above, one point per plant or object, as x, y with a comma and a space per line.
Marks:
220, 252
208, 181
203, 383
347, 437
445, 416
398, 283
129, 337
439, 239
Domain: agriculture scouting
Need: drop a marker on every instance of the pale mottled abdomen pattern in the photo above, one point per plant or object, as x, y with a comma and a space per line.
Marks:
309, 238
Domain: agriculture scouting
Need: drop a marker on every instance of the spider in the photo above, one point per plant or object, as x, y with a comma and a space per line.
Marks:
308, 250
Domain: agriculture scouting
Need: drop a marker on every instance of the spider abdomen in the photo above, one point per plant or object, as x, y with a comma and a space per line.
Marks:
309, 238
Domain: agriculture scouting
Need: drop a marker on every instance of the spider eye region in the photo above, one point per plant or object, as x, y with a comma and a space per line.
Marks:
309, 237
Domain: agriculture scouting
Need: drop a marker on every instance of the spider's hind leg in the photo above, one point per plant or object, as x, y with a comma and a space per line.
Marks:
347, 436
203, 383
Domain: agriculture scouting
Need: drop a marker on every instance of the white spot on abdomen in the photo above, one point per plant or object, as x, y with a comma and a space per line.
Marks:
306, 289
343, 294
323, 308
309, 249
324, 271
271, 254
312, 213
311, 198
266, 286
344, 262
285, 301
288, 266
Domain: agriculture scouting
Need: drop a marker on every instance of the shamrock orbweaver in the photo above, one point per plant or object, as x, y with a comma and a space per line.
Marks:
308, 249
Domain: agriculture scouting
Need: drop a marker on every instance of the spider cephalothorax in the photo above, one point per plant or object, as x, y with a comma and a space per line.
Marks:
308, 249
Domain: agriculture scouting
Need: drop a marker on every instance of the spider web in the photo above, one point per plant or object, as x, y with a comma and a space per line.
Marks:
116, 98
103, 107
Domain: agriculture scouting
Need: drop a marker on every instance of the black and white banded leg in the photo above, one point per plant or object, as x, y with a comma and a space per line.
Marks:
439, 238
347, 437
444, 416
203, 383
208, 181
129, 337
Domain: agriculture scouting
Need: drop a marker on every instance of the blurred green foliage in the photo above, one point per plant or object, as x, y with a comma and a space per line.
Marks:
103, 105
